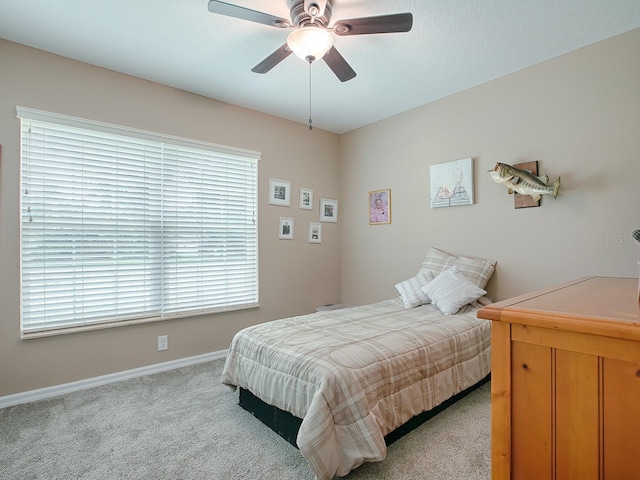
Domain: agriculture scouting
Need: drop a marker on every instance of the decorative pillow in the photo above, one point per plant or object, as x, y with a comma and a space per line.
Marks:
478, 270
451, 290
411, 290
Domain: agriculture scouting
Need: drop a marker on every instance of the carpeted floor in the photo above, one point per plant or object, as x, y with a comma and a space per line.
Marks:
184, 424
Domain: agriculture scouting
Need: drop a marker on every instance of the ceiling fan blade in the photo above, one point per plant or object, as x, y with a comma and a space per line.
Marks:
338, 65
399, 22
236, 11
272, 60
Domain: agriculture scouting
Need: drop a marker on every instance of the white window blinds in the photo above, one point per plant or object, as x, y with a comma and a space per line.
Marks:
124, 225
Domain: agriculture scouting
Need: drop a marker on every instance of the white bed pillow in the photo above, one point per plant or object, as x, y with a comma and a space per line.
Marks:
411, 290
478, 270
451, 290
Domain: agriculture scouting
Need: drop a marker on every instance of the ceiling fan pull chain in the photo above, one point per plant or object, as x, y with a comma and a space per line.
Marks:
310, 127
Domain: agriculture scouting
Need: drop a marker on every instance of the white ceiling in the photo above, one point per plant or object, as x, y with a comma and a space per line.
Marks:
454, 45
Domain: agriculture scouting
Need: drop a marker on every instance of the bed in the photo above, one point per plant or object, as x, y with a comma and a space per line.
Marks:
352, 376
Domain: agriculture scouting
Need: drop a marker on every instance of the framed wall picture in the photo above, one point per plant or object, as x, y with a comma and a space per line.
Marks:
380, 207
315, 232
452, 183
286, 228
279, 192
306, 199
328, 210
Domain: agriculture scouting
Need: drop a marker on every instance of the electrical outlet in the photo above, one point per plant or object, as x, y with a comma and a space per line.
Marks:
163, 342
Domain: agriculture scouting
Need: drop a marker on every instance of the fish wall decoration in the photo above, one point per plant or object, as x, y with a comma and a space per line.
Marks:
523, 182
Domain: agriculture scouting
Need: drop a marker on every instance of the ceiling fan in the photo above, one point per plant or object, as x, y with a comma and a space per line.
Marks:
312, 40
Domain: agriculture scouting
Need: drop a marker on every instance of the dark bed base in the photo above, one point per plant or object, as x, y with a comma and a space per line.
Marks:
286, 425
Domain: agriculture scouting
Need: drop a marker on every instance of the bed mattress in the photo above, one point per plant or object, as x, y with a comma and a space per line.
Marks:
356, 374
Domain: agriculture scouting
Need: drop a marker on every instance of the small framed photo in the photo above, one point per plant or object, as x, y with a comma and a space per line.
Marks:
306, 199
315, 232
328, 210
279, 192
380, 207
286, 228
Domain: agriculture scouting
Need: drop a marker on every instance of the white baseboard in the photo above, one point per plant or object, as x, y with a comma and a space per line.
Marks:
48, 392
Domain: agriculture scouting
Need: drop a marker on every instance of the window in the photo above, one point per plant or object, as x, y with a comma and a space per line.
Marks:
121, 225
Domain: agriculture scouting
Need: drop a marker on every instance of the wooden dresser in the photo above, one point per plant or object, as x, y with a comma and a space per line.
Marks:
565, 382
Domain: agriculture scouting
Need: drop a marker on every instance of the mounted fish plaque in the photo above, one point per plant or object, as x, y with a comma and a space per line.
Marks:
526, 201
525, 181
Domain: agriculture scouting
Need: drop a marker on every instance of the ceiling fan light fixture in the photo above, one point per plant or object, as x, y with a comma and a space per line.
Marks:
309, 42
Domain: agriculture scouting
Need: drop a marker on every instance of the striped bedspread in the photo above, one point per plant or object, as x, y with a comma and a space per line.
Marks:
356, 374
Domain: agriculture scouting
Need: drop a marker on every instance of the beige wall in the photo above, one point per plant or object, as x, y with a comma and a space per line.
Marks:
295, 276
578, 115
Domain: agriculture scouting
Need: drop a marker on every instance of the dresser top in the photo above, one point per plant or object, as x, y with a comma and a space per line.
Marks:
589, 304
